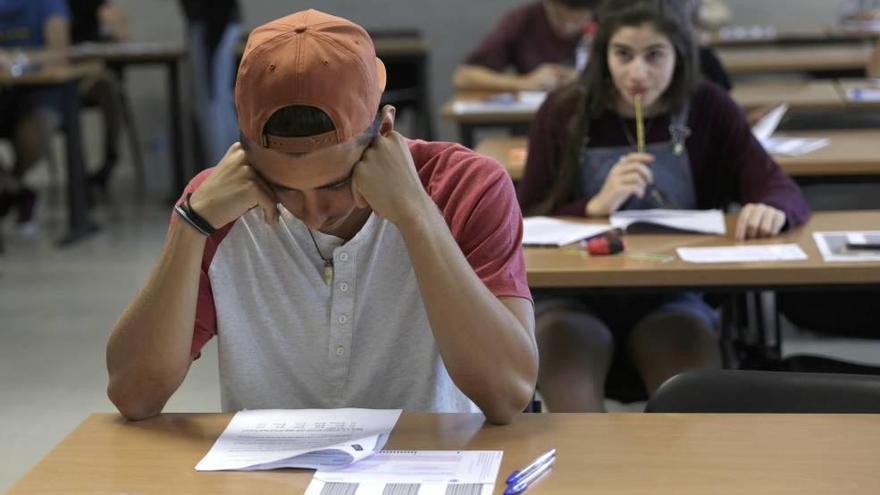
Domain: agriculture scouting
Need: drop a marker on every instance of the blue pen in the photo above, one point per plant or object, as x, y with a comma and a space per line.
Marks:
524, 482
543, 458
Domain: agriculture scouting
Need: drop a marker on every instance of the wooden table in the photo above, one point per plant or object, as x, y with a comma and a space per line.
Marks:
515, 120
815, 95
852, 154
802, 58
168, 55
679, 454
66, 78
571, 267
747, 36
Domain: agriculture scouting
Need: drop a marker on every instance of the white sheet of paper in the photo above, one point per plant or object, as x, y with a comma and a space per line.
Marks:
793, 146
414, 472
301, 438
765, 127
699, 221
867, 94
523, 101
832, 245
547, 231
741, 254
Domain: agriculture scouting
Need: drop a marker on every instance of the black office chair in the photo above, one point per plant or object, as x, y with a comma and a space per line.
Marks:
748, 391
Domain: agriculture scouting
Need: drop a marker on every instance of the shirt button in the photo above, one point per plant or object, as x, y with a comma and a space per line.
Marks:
342, 319
343, 287
343, 257
340, 351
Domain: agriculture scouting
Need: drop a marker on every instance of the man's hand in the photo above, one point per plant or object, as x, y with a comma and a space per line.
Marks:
758, 220
386, 180
233, 189
629, 176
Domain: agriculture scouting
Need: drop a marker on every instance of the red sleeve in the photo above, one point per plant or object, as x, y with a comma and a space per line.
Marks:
477, 200
497, 51
206, 317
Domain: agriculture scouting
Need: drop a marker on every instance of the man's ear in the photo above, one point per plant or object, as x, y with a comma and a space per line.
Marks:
386, 124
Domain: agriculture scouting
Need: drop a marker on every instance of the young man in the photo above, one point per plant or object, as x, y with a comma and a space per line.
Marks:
27, 113
391, 274
538, 41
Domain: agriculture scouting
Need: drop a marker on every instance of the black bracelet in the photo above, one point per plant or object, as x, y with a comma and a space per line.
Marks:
204, 224
185, 211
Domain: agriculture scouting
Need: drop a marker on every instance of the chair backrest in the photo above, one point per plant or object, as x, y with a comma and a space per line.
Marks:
741, 391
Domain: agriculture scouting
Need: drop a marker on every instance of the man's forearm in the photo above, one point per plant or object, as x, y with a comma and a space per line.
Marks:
490, 353
474, 77
148, 353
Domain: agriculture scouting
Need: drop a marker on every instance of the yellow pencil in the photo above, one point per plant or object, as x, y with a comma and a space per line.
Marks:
640, 125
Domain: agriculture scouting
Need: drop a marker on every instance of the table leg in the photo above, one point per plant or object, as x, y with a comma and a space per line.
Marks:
78, 223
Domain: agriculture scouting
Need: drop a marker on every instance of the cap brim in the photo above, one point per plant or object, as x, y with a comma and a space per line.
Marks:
380, 75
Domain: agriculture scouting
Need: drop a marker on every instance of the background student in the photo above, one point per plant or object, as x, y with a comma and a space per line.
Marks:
531, 48
582, 162
28, 113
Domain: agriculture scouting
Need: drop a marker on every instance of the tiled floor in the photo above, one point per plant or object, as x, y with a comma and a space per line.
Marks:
57, 307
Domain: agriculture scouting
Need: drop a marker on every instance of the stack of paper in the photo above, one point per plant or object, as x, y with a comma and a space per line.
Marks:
741, 254
413, 472
546, 231
304, 438
699, 221
838, 246
778, 145
523, 101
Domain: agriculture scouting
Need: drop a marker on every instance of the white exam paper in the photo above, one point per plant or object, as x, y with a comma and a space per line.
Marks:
414, 472
522, 101
832, 245
793, 146
547, 231
740, 254
299, 438
699, 221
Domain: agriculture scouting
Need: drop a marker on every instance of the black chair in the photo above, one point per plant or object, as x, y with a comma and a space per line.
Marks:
747, 391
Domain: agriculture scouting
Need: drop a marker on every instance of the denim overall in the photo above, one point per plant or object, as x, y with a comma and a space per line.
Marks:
671, 169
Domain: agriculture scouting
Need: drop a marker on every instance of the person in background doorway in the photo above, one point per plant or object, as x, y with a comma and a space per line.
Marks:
101, 21
213, 32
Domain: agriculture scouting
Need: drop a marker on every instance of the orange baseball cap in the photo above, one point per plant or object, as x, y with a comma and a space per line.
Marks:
312, 59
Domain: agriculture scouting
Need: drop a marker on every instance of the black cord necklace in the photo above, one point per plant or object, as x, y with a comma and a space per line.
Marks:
328, 262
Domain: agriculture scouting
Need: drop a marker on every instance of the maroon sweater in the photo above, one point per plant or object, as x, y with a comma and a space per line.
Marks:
727, 162
523, 39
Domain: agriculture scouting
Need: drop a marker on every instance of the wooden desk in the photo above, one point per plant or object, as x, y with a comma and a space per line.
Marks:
851, 154
168, 55
747, 36
66, 78
468, 123
816, 95
678, 454
510, 152
803, 58
572, 268
845, 85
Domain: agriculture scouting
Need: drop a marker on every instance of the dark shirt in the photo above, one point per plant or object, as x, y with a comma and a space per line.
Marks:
712, 69
523, 40
22, 21
727, 162
85, 23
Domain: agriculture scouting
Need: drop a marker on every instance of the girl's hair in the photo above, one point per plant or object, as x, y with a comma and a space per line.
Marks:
592, 93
